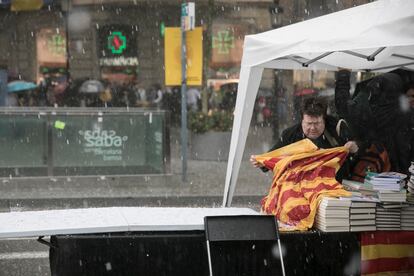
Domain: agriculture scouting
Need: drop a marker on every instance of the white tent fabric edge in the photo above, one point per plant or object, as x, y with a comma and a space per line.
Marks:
388, 26
242, 116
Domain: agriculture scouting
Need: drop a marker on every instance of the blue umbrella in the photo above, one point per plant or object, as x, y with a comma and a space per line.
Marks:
17, 86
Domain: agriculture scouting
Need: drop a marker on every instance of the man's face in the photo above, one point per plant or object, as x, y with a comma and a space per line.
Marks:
313, 126
410, 95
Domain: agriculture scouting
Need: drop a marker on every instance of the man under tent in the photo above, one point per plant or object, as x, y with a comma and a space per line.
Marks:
323, 130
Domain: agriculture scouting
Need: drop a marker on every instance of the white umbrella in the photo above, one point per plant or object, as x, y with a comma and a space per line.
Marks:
378, 36
92, 87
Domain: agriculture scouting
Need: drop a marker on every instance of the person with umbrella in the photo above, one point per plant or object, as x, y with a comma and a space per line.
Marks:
94, 94
20, 93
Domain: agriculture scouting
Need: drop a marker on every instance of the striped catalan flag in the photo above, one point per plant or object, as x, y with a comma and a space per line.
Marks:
302, 175
387, 253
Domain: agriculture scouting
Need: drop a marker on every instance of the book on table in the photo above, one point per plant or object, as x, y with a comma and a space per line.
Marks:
359, 228
363, 204
333, 228
393, 196
385, 181
407, 217
355, 186
335, 202
386, 176
388, 228
332, 222
387, 216
361, 216
390, 206
353, 222
362, 210
333, 215
388, 219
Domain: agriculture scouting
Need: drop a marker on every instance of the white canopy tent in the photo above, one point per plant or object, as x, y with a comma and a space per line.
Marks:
378, 36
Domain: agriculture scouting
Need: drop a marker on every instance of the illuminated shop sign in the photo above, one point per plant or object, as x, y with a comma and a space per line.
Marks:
117, 41
57, 44
223, 41
121, 61
227, 44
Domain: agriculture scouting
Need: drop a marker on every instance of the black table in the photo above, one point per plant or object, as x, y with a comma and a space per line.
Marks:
184, 253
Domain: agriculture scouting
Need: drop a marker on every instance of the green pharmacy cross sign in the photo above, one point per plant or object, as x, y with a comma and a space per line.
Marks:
57, 44
117, 42
223, 42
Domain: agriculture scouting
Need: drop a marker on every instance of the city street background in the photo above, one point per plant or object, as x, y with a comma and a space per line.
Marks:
204, 188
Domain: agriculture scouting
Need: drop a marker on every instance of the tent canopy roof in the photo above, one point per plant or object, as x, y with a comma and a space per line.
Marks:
373, 36
378, 36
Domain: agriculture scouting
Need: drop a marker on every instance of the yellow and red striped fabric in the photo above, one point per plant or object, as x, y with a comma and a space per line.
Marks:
302, 175
387, 253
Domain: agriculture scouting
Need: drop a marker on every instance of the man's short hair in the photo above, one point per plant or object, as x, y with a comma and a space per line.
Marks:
314, 107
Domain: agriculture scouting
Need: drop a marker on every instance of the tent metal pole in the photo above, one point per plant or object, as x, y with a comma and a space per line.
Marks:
401, 56
228, 197
355, 54
295, 60
306, 64
372, 56
389, 67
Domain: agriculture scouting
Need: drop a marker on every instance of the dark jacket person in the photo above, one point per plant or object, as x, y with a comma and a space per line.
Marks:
376, 114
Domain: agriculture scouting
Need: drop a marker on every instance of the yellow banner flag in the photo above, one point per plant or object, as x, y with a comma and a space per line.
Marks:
172, 55
26, 5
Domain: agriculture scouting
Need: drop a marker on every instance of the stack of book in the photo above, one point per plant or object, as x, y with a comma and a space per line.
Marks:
359, 189
407, 218
392, 196
333, 215
410, 198
390, 185
410, 182
388, 216
362, 216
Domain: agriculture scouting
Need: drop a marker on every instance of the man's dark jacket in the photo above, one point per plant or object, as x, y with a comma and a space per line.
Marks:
295, 133
374, 115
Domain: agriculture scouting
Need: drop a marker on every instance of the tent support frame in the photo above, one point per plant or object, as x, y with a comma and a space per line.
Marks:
371, 57
306, 64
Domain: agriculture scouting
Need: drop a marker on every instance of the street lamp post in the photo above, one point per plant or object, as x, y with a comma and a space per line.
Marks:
187, 24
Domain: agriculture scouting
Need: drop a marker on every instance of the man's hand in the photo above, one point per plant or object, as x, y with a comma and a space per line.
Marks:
351, 146
254, 162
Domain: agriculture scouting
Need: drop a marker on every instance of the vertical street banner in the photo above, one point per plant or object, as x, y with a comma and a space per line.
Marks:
25, 5
172, 56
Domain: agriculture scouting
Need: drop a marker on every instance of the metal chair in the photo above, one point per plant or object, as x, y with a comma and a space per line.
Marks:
242, 229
